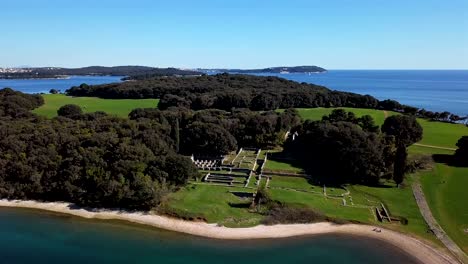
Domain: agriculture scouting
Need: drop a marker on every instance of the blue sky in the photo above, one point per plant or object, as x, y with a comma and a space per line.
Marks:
354, 34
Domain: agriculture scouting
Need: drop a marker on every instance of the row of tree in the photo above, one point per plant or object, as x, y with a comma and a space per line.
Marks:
423, 113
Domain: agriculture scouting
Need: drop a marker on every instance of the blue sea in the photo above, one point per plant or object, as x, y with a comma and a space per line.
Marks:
44, 85
435, 90
28, 236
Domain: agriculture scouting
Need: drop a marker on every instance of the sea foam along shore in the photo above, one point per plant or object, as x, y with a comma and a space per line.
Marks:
410, 245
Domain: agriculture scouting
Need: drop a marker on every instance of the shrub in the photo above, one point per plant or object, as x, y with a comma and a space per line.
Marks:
69, 110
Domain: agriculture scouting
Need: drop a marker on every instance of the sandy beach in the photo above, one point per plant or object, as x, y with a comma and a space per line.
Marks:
413, 246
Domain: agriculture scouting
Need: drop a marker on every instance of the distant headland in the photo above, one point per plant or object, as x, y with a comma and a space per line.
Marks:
281, 69
133, 72
136, 72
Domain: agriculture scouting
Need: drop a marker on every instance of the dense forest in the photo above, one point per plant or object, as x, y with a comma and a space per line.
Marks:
133, 72
226, 91
88, 159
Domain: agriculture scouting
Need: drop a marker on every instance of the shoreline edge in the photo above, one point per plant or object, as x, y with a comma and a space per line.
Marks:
416, 248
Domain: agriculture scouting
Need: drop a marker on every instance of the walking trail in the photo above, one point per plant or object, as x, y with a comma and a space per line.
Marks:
434, 226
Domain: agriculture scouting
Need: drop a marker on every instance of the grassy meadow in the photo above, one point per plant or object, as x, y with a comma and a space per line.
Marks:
118, 107
214, 203
445, 188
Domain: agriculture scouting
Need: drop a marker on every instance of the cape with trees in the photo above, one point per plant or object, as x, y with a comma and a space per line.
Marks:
231, 91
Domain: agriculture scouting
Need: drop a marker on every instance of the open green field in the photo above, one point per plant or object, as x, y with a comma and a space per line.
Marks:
118, 107
318, 113
442, 134
399, 202
281, 166
214, 203
328, 206
445, 189
297, 183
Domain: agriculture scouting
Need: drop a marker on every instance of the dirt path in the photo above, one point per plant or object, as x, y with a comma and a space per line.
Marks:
434, 226
436, 147
385, 113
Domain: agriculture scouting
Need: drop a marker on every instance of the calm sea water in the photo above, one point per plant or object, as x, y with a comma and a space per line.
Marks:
435, 90
44, 85
38, 237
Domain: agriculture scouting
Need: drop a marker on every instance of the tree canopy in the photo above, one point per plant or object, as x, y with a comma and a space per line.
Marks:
406, 131
461, 154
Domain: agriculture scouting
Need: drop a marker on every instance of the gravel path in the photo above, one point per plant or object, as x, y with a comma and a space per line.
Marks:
434, 226
431, 146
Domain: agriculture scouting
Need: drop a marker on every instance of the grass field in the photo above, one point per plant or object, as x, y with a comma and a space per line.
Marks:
292, 182
214, 203
318, 113
328, 206
442, 134
118, 107
281, 166
445, 189
399, 202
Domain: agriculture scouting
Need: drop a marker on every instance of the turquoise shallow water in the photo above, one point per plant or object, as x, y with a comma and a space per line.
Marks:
37, 237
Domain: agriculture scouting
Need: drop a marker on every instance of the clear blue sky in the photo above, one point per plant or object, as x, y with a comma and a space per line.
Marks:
335, 34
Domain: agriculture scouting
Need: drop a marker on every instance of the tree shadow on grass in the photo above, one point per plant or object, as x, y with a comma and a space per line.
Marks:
449, 160
240, 205
284, 157
325, 180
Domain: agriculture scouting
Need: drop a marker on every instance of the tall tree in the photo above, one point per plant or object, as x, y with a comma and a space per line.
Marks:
406, 130
175, 133
461, 154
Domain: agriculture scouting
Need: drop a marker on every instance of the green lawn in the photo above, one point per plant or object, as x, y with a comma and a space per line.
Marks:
280, 166
446, 190
118, 107
399, 201
213, 203
328, 206
442, 134
318, 113
279, 163
297, 183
